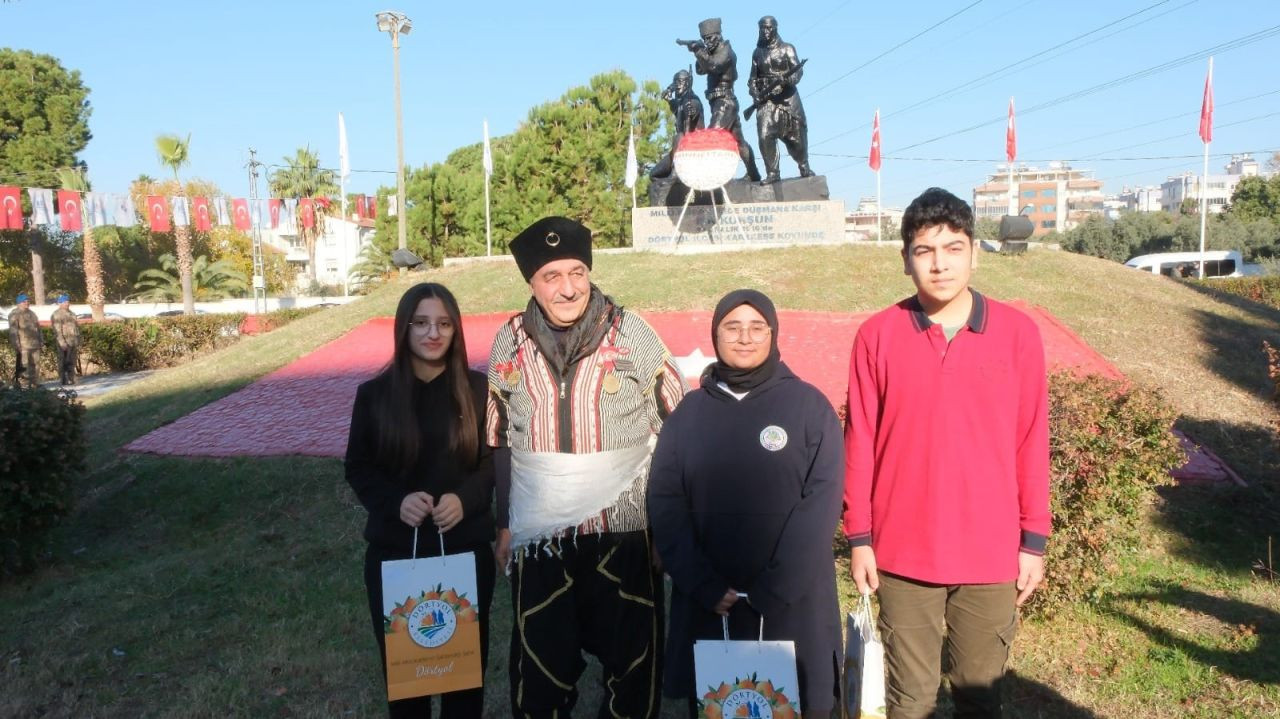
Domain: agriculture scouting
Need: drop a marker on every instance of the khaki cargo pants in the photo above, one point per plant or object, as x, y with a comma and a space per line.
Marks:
974, 623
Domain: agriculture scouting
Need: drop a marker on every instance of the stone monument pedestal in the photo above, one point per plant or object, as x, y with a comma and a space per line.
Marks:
796, 211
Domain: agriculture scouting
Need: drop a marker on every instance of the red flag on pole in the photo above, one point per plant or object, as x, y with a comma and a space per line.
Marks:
372, 202
240, 214
1010, 137
69, 210
307, 211
1206, 108
874, 160
362, 211
158, 213
273, 209
200, 208
11, 204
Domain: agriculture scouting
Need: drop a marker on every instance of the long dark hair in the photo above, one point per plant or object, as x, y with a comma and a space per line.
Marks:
399, 436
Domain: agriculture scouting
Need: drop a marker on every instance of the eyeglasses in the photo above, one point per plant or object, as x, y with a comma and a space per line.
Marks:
756, 333
422, 327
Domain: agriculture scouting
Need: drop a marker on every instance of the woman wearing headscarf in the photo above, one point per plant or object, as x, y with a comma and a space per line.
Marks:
417, 460
744, 495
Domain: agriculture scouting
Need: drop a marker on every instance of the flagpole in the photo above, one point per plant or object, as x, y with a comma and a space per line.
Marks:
488, 228
879, 221
1013, 201
1204, 182
343, 169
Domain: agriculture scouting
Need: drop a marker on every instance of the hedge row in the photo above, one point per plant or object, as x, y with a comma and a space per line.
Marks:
1263, 289
148, 342
41, 451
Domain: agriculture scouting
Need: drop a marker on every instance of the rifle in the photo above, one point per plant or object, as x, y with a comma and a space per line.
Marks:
772, 89
693, 45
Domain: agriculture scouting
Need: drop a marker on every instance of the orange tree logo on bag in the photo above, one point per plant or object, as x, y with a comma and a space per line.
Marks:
431, 618
432, 623
747, 699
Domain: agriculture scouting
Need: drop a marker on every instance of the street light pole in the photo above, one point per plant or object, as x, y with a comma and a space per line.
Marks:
397, 24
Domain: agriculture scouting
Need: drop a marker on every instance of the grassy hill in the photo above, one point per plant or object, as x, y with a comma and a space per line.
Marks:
212, 587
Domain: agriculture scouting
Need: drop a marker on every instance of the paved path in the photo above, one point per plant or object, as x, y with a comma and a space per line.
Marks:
304, 408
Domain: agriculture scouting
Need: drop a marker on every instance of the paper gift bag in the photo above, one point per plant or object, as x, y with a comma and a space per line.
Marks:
863, 665
746, 679
432, 625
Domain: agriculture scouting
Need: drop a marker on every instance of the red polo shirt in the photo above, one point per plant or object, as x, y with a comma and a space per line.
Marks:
947, 445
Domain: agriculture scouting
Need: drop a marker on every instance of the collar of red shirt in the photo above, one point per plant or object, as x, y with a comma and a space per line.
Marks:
977, 314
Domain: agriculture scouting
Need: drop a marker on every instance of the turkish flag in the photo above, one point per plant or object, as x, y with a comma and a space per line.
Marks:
307, 211
1010, 137
323, 202
362, 209
158, 213
273, 209
1206, 108
11, 204
200, 207
373, 207
874, 159
240, 214
69, 210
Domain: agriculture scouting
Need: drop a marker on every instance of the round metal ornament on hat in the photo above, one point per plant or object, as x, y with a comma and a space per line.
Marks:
705, 160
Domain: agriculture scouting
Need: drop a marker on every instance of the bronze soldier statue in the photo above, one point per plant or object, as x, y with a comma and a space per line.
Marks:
687, 108
775, 72
26, 341
716, 60
66, 332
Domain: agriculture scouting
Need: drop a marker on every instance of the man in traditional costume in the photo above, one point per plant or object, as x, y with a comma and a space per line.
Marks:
578, 389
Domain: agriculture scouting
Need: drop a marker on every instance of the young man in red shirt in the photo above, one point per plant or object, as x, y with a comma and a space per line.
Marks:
946, 500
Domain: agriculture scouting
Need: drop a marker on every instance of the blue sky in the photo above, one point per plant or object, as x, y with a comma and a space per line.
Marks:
274, 75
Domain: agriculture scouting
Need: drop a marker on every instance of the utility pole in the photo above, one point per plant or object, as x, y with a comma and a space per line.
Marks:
259, 267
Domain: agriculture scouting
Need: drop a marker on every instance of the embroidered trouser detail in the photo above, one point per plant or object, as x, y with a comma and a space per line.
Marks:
597, 595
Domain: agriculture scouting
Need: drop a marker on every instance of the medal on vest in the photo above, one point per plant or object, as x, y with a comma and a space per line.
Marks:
513, 378
611, 383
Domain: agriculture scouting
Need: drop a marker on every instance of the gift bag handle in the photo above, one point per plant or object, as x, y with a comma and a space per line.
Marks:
864, 609
414, 556
724, 623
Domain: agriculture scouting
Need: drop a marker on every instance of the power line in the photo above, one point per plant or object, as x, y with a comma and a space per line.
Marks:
1116, 82
1180, 135
1020, 65
997, 161
861, 159
1139, 126
823, 19
899, 45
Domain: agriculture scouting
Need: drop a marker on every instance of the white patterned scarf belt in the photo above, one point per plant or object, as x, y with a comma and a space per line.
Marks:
555, 492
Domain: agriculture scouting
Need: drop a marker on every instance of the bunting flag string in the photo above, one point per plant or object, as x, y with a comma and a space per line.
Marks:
73, 211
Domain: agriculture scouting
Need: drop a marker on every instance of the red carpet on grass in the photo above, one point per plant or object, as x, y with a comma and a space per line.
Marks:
305, 407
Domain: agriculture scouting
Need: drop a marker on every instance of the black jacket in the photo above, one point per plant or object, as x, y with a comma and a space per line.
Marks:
746, 494
381, 486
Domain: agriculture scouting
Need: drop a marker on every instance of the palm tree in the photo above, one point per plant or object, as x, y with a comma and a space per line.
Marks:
72, 179
304, 178
210, 281
174, 154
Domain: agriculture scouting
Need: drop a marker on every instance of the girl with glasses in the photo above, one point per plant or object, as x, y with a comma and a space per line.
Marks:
744, 495
416, 458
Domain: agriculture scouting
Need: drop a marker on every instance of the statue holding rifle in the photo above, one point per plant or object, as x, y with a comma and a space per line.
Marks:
775, 72
716, 60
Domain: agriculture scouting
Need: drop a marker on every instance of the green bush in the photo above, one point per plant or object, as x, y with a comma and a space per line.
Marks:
41, 451
155, 342
1264, 290
148, 342
1111, 445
